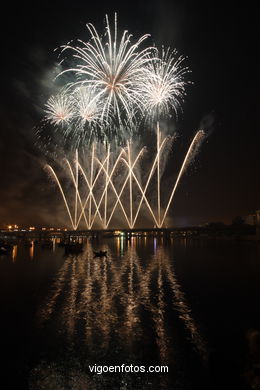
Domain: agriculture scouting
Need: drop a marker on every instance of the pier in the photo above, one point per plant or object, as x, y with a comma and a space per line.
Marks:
165, 233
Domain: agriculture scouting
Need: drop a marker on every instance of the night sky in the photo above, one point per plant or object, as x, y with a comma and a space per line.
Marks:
220, 41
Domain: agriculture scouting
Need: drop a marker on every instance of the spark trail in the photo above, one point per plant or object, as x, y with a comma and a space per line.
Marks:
115, 87
122, 193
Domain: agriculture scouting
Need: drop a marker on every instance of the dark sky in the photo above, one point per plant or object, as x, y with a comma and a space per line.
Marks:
220, 40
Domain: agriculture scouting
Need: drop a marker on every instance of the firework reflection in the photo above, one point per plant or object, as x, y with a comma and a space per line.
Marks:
95, 301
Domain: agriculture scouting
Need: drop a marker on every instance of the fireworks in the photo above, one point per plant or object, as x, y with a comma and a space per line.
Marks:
91, 203
59, 109
115, 87
114, 84
163, 85
87, 113
112, 67
87, 107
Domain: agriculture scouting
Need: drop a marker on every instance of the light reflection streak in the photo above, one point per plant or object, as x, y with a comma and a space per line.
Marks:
14, 253
159, 320
117, 246
105, 296
85, 302
181, 305
69, 310
122, 245
48, 308
32, 250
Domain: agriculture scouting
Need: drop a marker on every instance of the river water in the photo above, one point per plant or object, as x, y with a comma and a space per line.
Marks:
190, 305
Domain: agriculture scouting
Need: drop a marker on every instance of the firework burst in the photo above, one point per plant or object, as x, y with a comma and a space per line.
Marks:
87, 108
117, 87
163, 85
88, 112
113, 67
59, 109
113, 85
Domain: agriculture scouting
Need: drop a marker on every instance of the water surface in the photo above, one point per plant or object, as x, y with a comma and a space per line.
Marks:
192, 305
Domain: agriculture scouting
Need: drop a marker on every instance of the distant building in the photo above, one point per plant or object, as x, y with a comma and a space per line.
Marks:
252, 219
257, 213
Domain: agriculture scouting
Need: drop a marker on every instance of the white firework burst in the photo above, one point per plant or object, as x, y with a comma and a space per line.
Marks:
114, 84
112, 66
59, 109
88, 108
163, 85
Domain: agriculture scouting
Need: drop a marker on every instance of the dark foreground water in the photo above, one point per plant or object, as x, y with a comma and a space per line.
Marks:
190, 305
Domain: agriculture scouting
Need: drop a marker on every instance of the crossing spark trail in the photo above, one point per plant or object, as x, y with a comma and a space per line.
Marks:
92, 203
113, 91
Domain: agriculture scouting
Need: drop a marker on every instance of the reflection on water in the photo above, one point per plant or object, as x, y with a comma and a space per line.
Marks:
145, 304
31, 250
14, 253
109, 307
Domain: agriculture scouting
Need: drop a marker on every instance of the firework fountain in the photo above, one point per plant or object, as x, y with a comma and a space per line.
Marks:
117, 88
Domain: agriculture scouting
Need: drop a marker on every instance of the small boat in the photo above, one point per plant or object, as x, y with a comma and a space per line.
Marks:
3, 251
5, 248
100, 254
73, 247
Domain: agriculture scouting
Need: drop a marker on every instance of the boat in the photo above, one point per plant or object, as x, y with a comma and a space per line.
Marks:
100, 254
5, 248
3, 251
